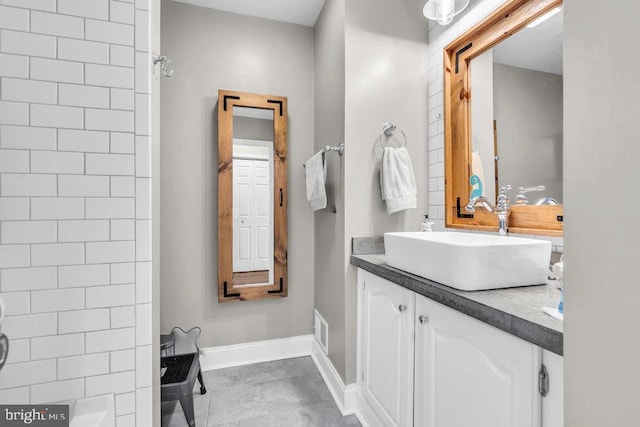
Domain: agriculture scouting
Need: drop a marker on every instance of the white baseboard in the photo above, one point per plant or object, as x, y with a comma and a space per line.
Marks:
366, 413
255, 352
347, 398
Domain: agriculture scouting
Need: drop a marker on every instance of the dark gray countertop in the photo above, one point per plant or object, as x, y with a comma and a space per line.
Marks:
517, 311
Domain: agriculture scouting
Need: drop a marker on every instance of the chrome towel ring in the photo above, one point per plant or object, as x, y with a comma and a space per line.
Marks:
388, 129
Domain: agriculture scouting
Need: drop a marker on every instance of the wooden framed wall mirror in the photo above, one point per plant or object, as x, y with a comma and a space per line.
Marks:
503, 118
252, 196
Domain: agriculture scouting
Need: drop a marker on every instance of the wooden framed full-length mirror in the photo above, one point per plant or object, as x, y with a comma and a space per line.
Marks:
252, 196
519, 126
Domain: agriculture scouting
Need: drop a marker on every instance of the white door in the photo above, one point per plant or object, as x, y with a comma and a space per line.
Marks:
385, 353
252, 235
469, 373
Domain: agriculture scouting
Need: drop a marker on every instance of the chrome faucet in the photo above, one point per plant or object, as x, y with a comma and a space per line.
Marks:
522, 199
501, 209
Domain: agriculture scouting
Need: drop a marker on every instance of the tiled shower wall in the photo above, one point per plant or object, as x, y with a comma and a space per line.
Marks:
75, 229
439, 37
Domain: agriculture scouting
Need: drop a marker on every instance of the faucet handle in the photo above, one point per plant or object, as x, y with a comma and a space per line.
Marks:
503, 198
523, 190
521, 199
505, 188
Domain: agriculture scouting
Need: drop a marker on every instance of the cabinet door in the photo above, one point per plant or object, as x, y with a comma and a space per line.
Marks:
471, 374
385, 353
552, 403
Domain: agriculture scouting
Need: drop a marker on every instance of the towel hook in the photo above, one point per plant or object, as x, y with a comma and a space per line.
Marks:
388, 129
164, 64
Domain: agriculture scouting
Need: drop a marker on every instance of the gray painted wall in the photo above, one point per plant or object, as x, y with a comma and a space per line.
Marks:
252, 128
384, 79
214, 50
601, 152
528, 112
329, 88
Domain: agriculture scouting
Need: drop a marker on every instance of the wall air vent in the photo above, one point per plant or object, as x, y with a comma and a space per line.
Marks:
321, 331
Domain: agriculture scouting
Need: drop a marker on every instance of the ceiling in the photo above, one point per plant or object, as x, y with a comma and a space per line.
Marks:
303, 12
538, 48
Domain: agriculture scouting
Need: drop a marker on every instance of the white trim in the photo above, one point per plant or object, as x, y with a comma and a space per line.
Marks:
348, 398
369, 413
250, 156
343, 395
255, 352
366, 412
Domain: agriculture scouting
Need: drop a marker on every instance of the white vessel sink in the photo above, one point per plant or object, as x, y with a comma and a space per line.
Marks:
469, 262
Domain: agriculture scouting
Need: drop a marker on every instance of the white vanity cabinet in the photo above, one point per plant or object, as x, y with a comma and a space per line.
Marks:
385, 348
553, 402
423, 364
468, 373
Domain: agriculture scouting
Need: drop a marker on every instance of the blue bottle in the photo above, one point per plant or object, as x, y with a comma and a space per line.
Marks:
561, 305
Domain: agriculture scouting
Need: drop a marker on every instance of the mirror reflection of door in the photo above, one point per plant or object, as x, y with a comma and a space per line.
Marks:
252, 207
252, 197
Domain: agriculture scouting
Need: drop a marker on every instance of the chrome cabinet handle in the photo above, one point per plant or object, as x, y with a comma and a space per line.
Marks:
423, 319
402, 308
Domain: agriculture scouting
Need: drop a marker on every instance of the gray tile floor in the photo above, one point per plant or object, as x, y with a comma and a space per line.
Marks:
287, 392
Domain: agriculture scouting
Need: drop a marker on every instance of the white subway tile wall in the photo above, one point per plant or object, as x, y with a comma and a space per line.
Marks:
83, 366
14, 396
75, 196
125, 403
19, 353
122, 317
438, 40
123, 360
27, 138
57, 390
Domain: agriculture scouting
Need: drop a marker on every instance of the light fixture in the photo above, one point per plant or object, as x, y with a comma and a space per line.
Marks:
443, 11
544, 17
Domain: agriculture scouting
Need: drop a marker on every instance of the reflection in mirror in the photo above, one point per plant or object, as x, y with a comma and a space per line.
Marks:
472, 107
516, 113
252, 197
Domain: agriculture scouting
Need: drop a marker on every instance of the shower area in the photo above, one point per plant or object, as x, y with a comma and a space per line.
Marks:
79, 319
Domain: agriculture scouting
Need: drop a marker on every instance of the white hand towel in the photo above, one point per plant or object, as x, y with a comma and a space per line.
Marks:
397, 181
315, 174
